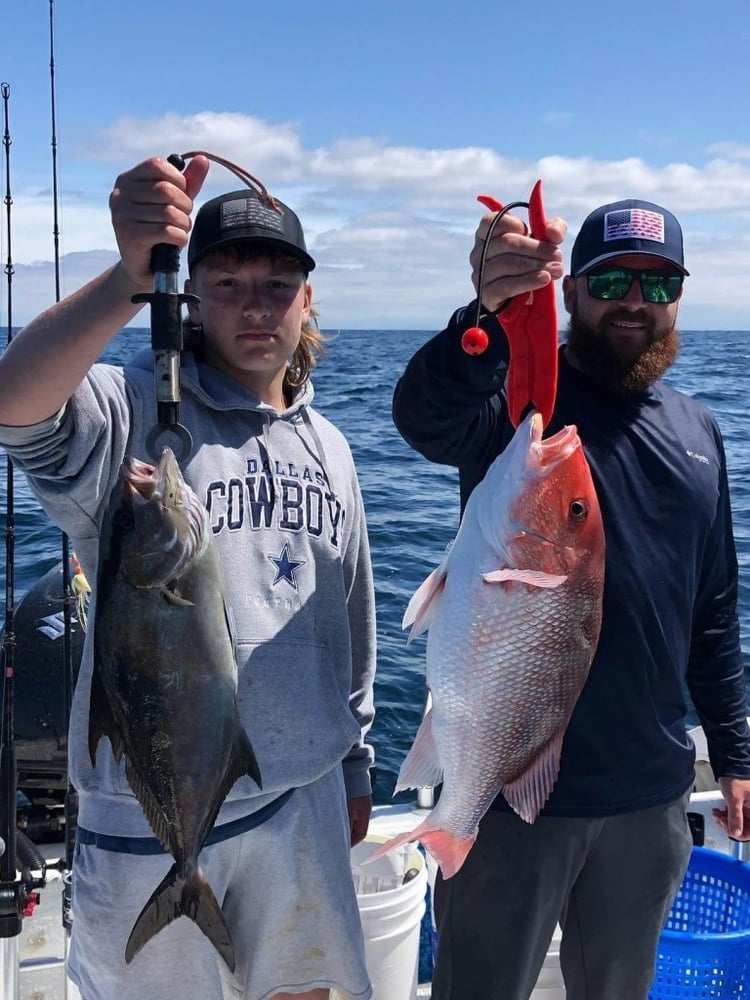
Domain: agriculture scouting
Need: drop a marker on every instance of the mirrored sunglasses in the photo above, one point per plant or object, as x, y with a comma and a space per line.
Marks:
615, 283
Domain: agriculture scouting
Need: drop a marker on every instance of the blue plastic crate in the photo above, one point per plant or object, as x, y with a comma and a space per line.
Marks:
704, 950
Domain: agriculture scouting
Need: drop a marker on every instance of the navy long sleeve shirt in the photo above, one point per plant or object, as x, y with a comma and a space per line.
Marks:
670, 590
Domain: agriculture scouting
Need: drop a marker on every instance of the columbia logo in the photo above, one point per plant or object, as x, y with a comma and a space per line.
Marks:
698, 458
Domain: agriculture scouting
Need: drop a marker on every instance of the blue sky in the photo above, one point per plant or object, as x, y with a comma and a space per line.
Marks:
380, 123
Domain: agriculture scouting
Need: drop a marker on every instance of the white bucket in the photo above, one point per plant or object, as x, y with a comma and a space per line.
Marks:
391, 897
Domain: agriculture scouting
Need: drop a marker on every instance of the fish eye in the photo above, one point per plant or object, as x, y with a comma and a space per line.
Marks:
578, 510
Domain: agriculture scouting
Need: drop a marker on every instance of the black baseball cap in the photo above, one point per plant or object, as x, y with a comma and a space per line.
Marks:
242, 216
627, 227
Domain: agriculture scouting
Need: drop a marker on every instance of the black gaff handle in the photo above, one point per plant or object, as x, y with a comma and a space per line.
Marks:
165, 258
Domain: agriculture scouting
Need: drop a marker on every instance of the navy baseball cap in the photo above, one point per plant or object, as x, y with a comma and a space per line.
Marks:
241, 216
627, 227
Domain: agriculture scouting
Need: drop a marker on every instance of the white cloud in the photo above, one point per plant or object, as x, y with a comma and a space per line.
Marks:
254, 144
731, 150
392, 226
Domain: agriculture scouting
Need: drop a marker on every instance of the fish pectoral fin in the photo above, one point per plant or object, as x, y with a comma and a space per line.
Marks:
421, 767
531, 577
423, 606
528, 793
174, 598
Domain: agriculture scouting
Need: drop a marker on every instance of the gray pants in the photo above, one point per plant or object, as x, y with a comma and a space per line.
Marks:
287, 893
608, 882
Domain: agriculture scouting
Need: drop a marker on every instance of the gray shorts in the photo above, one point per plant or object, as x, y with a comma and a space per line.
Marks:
608, 882
286, 891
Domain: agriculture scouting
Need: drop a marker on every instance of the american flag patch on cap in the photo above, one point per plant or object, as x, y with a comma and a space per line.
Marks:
629, 223
241, 213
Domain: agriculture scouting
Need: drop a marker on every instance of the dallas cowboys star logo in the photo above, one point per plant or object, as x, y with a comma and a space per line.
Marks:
286, 567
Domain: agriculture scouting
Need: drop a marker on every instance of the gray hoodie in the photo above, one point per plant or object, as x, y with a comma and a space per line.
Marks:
289, 526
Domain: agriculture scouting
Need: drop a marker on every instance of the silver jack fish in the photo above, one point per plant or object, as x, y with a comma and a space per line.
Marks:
163, 689
513, 612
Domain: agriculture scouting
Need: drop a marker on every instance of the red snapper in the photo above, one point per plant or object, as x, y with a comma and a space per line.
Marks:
513, 612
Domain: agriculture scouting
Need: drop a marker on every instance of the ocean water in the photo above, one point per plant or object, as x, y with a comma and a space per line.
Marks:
412, 504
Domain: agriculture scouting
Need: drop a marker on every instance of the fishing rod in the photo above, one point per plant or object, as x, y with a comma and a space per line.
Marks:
18, 895
70, 806
7, 747
55, 226
68, 598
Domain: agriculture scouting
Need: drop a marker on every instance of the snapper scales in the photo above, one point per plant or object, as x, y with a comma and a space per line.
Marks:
163, 689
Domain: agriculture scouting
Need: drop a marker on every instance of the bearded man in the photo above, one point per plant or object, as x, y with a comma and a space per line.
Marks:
608, 853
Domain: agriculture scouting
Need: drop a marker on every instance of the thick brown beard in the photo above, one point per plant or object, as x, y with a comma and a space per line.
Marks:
622, 375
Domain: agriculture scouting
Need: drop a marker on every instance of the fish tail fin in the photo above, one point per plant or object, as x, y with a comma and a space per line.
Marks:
448, 849
178, 895
530, 790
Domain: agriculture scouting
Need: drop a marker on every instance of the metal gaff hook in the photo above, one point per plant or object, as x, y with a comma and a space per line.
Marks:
166, 341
